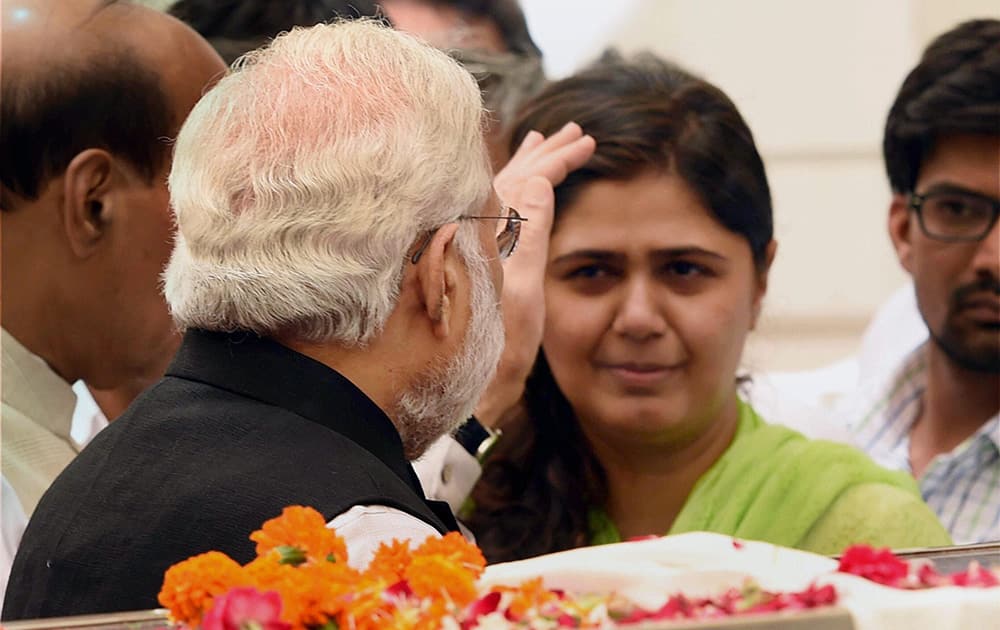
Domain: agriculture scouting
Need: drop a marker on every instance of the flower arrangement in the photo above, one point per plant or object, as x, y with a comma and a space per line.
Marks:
884, 567
301, 579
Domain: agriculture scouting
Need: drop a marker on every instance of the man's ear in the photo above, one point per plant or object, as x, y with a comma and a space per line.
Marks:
437, 277
901, 229
86, 204
762, 279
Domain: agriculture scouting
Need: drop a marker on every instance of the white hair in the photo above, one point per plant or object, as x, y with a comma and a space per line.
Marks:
302, 179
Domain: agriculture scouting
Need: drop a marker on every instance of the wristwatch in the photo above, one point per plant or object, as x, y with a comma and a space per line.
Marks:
476, 439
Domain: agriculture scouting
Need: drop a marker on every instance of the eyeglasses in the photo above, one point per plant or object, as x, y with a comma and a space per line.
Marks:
507, 235
955, 216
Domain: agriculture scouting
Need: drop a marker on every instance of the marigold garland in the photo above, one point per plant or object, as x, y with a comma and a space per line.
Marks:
455, 548
439, 577
390, 561
190, 586
302, 528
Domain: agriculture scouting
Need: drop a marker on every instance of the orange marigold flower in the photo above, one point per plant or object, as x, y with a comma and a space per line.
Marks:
312, 594
326, 591
190, 586
267, 574
390, 561
441, 577
365, 608
303, 528
416, 617
457, 549
530, 595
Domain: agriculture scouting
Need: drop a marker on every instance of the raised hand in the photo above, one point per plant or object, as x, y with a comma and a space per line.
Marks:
526, 183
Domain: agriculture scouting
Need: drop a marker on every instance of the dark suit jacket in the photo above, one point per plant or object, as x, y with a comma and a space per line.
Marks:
238, 429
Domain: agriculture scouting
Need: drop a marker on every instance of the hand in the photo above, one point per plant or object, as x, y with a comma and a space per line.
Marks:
526, 183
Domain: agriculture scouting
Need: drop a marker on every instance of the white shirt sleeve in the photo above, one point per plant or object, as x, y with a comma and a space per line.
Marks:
13, 522
365, 527
448, 472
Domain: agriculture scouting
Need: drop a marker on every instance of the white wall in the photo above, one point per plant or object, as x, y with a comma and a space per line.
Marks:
814, 79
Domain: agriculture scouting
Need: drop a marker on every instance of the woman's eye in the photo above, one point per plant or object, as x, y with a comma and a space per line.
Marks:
685, 269
588, 272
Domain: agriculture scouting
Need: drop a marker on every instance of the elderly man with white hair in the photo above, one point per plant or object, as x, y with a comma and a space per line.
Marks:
337, 274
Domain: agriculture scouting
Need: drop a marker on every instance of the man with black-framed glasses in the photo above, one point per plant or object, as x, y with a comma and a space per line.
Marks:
936, 414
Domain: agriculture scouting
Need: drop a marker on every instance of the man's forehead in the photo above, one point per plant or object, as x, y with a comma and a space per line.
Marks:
963, 160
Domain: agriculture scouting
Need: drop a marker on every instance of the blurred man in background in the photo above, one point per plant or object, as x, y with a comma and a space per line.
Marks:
86, 227
84, 155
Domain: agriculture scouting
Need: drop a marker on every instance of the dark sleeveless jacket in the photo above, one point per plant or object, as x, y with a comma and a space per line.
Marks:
238, 429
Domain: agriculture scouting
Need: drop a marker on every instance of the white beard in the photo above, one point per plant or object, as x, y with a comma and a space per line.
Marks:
443, 399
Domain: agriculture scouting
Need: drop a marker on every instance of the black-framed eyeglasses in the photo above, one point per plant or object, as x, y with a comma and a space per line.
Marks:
508, 234
955, 216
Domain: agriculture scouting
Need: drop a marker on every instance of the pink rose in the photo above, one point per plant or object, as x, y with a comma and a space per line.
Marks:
245, 608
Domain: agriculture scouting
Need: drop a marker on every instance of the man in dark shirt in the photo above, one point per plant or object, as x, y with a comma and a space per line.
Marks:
337, 273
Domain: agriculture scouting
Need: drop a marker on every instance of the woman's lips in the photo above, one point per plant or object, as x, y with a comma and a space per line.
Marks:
641, 375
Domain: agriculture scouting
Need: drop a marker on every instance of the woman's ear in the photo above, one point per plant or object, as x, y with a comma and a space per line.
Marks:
437, 278
88, 184
762, 278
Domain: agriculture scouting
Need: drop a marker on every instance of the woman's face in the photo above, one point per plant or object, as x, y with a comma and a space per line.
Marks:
648, 302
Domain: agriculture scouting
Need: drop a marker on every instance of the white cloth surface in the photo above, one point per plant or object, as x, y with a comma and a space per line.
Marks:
699, 564
365, 527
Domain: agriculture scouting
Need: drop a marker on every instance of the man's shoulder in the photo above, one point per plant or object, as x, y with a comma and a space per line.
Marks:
184, 424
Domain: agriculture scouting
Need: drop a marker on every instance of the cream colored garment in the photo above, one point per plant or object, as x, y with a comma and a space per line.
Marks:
36, 421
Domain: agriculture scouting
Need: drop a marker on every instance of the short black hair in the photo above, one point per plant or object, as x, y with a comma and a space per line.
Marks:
235, 27
954, 89
107, 100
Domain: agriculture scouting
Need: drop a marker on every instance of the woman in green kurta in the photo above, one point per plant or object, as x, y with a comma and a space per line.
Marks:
630, 423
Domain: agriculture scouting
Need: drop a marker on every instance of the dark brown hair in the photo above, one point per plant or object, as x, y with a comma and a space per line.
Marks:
542, 480
954, 89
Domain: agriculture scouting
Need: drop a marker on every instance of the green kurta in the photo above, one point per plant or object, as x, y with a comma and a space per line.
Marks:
775, 485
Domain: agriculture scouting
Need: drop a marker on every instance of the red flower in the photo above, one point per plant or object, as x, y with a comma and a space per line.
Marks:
877, 565
975, 576
243, 608
483, 606
642, 538
928, 576
815, 596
